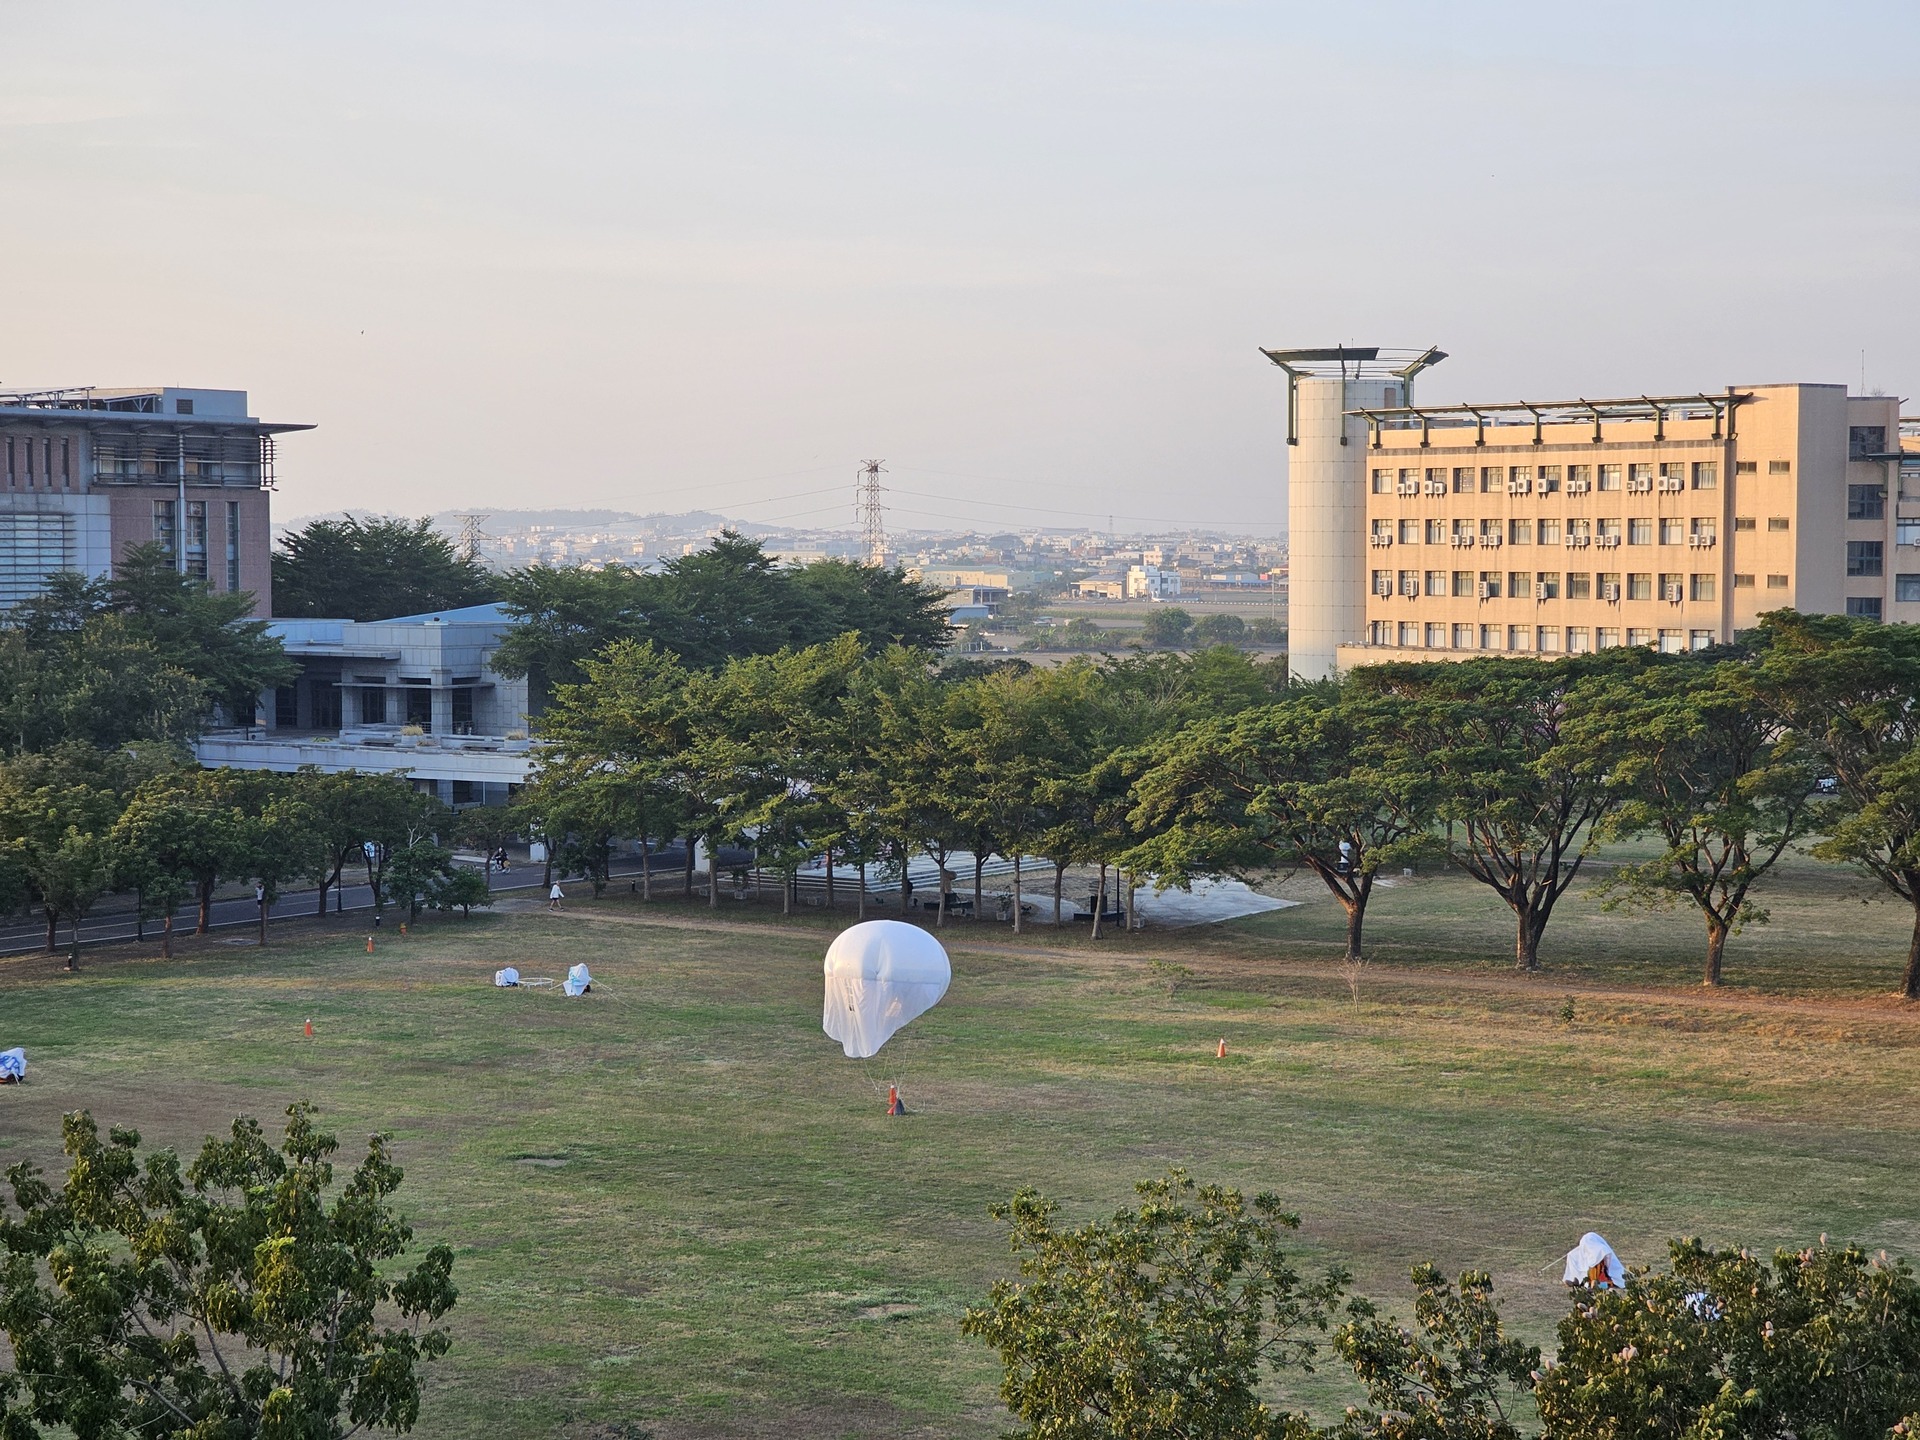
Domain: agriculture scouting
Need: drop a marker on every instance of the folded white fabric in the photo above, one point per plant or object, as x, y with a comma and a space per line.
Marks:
577, 980
13, 1063
506, 977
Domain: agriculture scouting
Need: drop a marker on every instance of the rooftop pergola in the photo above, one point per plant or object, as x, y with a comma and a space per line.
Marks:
1658, 409
1348, 362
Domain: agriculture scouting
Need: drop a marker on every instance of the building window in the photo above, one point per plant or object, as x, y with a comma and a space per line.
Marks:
1463, 532
1609, 583
1378, 631
286, 708
1519, 532
1672, 531
1608, 531
1463, 480
1866, 441
1382, 532
373, 703
1706, 475
1409, 634
183, 407
1743, 582
1743, 522
1701, 531
1383, 482
1436, 637
1463, 584
1436, 532
1489, 584
1549, 638
197, 539
1409, 532
165, 516
1779, 467
1640, 530
1410, 583
1579, 585
1437, 582
1699, 639
1864, 607
1609, 478
1579, 477
1493, 480
1549, 582
1672, 587
1906, 587
1606, 638
1436, 479
1640, 478
1746, 467
1639, 585
1520, 480
1700, 587
1549, 532
1520, 583
1906, 532
233, 545
1519, 637
1492, 532
1776, 523
1578, 642
1866, 502
1673, 475
1490, 637
1776, 582
1672, 642
1638, 636
1463, 637
1864, 557
1382, 582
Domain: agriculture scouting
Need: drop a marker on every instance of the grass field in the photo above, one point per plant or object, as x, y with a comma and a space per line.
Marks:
680, 1211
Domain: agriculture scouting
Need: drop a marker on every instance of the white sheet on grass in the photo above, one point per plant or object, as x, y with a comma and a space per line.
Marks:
577, 980
506, 977
14, 1062
1593, 1250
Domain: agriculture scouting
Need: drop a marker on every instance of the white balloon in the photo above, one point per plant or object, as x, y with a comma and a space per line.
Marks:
880, 975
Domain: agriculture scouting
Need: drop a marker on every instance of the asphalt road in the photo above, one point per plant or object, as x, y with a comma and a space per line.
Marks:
19, 936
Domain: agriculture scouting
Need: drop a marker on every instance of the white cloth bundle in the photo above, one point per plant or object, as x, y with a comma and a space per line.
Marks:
506, 977
880, 975
1593, 1250
577, 980
14, 1062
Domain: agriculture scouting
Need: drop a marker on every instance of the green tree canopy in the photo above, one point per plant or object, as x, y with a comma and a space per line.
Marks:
374, 569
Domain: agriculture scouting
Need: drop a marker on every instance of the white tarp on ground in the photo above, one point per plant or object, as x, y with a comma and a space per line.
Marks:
880, 975
1592, 1254
506, 977
1209, 901
14, 1063
577, 980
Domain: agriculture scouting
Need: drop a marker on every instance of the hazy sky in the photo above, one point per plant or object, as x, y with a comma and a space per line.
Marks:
654, 256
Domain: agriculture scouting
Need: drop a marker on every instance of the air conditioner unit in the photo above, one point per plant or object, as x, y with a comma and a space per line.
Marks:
1486, 590
1518, 487
1436, 487
1675, 594
1382, 539
1579, 487
1407, 487
1410, 589
1607, 542
1671, 483
1610, 593
1383, 586
1491, 541
1701, 542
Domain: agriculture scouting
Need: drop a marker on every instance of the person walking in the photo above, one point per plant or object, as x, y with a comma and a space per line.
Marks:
554, 897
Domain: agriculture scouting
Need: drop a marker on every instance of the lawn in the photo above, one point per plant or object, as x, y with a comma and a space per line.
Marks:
680, 1211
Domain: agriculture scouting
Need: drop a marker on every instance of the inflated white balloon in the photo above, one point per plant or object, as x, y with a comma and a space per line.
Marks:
880, 975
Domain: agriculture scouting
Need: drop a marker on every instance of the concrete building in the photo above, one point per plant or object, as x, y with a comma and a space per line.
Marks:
1150, 582
415, 695
1556, 527
90, 473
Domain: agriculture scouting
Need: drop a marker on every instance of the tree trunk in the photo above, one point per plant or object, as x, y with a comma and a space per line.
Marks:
1910, 982
979, 864
53, 931
829, 877
139, 916
325, 881
546, 879
206, 908
1356, 918
862, 912
73, 954
1059, 880
646, 872
166, 937
1716, 947
1132, 883
713, 876
689, 874
1100, 900
1526, 942
906, 885
786, 893
263, 923
1016, 889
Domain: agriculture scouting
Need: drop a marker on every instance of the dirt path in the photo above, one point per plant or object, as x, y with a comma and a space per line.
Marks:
1379, 974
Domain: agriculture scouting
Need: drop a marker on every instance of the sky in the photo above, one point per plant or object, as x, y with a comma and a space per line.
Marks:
663, 256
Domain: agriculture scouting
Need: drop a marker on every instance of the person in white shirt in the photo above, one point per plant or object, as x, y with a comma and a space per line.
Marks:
554, 897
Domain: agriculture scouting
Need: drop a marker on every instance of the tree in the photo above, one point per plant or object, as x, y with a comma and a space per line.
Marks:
461, 887
1709, 766
374, 569
189, 824
234, 1297
1851, 691
282, 837
1156, 1323
883, 607
1220, 629
417, 871
102, 683
1519, 800
1455, 1378
209, 634
348, 810
1822, 1341
1311, 781
1165, 629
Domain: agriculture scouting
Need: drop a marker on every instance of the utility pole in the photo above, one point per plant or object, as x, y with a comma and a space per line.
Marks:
867, 513
471, 534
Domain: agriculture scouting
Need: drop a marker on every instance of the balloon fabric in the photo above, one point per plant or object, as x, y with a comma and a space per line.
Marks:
880, 975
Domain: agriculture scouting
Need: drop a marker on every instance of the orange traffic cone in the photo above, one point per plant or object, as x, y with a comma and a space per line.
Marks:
369, 944
1221, 1053
309, 1029
403, 927
894, 1107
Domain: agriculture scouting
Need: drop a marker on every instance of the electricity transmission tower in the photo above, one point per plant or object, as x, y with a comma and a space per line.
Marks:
867, 513
471, 534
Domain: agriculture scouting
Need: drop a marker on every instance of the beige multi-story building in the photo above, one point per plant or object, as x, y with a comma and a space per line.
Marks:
1547, 528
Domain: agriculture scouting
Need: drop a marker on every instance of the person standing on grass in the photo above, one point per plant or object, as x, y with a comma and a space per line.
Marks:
554, 897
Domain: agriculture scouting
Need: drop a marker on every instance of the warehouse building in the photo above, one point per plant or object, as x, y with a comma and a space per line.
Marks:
1561, 527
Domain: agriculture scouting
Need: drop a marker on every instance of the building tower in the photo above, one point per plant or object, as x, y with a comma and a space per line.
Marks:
471, 534
868, 514
1327, 490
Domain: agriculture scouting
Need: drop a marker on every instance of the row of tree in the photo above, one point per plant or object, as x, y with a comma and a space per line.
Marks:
1170, 767
78, 823
1170, 1319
